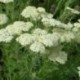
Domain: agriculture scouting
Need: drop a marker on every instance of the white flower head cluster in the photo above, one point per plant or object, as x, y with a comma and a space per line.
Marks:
6, 1
35, 13
3, 19
50, 22
5, 36
30, 12
39, 39
43, 14
50, 34
41, 10
65, 36
18, 27
58, 56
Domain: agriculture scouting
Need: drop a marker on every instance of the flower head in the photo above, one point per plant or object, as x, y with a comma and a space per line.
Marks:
18, 27
5, 36
41, 10
3, 19
25, 39
60, 57
30, 12
38, 38
78, 70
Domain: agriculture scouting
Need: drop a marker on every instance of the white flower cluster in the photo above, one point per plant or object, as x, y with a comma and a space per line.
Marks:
6, 1
3, 19
65, 36
18, 27
39, 39
58, 56
50, 22
5, 36
50, 34
35, 13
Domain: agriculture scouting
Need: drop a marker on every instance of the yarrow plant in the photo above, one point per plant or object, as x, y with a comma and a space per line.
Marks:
47, 32
40, 33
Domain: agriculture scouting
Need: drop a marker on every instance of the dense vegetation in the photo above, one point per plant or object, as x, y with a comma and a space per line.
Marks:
19, 63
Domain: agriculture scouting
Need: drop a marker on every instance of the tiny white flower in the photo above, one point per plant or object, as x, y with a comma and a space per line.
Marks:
3, 19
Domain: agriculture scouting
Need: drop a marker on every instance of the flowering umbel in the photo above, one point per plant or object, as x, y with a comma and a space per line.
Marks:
41, 33
3, 18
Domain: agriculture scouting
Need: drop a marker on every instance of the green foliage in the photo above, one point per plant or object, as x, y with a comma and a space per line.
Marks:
18, 63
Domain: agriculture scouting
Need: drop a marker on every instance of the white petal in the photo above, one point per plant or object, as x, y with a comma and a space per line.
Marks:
5, 36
